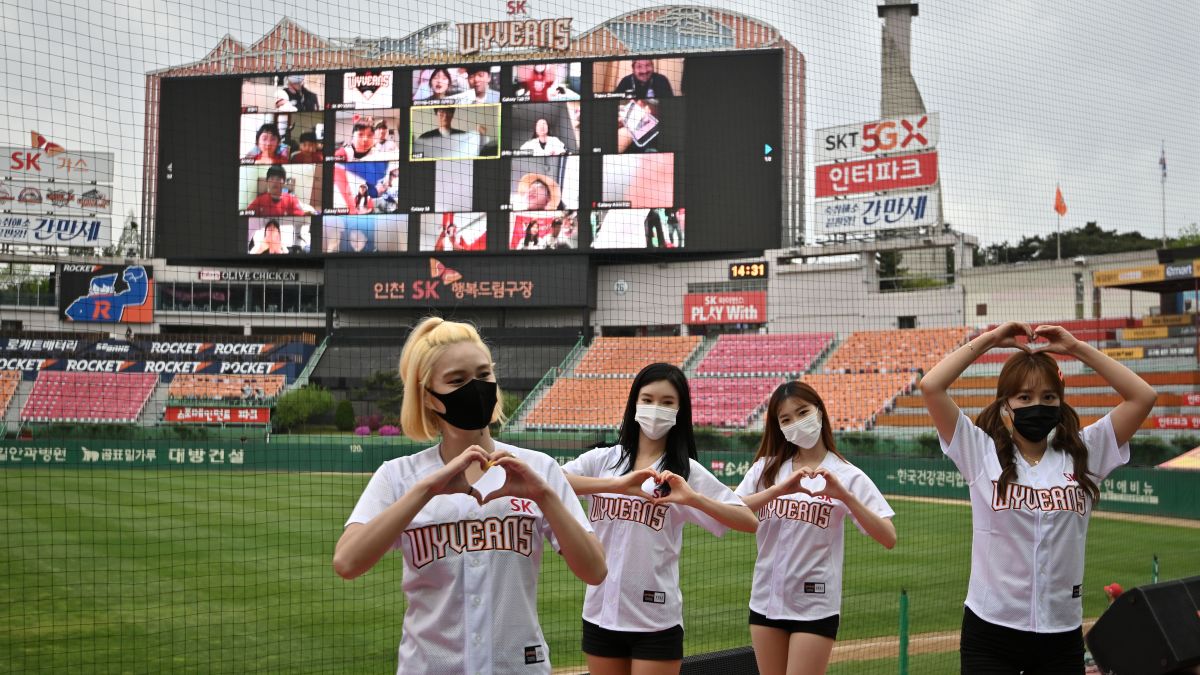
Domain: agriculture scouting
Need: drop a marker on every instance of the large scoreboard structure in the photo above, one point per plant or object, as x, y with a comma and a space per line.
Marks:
669, 133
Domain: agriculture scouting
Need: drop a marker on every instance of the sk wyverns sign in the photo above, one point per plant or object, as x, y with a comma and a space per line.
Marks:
528, 34
715, 308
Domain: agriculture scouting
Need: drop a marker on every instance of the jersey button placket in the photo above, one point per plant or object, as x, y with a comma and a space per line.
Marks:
612, 584
478, 620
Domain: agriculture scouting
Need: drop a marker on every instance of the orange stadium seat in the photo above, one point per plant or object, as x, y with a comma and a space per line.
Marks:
853, 400
225, 387
894, 351
582, 402
9, 381
626, 356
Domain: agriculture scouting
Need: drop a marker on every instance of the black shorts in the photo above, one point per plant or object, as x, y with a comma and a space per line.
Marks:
827, 627
988, 649
663, 645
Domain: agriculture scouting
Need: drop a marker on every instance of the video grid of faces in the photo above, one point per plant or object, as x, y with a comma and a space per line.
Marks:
431, 159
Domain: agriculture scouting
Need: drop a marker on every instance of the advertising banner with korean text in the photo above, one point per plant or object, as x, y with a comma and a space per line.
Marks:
166, 370
877, 175
894, 210
55, 199
459, 281
720, 308
896, 134
38, 165
1128, 275
216, 415
80, 231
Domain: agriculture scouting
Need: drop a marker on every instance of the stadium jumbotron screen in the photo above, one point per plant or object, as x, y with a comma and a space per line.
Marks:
634, 154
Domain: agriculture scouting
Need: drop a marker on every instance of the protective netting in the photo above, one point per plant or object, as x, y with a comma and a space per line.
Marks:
221, 222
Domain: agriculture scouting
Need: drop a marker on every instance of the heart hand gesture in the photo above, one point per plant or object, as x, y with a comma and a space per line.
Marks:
520, 480
1059, 341
451, 479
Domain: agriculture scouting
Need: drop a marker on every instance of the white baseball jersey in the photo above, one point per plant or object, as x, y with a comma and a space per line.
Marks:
1028, 543
798, 574
641, 544
470, 571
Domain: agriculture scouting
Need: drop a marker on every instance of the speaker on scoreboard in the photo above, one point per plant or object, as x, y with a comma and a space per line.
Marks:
1150, 630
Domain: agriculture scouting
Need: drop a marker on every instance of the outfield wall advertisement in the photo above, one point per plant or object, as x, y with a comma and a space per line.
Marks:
1147, 491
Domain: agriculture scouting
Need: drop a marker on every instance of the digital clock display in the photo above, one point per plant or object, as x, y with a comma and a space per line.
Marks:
748, 270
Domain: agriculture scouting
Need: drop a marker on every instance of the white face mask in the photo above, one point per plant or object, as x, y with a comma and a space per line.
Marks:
655, 420
805, 431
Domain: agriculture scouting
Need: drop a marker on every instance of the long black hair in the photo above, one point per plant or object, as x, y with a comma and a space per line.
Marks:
681, 444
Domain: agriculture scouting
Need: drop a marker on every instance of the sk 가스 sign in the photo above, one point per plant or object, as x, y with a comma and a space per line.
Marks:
877, 175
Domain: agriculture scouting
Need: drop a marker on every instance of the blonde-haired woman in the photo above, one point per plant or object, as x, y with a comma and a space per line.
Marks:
470, 560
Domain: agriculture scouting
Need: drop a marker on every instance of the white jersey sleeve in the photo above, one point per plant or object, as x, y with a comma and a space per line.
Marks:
749, 484
863, 488
557, 481
381, 492
1104, 454
703, 482
968, 449
589, 464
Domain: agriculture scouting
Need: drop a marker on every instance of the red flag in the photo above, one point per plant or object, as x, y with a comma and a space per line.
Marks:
1060, 204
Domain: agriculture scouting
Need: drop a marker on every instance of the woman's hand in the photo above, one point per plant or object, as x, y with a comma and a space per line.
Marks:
452, 478
1059, 340
519, 480
631, 483
681, 493
1005, 335
833, 487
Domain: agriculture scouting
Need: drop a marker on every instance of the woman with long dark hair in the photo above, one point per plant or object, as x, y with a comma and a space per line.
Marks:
803, 489
1034, 477
641, 492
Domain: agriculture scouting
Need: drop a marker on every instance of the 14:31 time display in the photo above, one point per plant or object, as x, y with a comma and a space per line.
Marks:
748, 270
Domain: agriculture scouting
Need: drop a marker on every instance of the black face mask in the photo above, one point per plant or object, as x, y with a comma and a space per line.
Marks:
1035, 422
469, 407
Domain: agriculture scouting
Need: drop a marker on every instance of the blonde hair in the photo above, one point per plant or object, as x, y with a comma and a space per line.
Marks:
428, 341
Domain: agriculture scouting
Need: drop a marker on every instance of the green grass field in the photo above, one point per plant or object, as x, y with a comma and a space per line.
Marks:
148, 571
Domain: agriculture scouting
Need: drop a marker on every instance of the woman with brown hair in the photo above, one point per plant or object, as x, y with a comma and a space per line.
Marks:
803, 489
1033, 475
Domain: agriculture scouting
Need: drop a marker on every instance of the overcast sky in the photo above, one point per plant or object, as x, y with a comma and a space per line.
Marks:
1030, 92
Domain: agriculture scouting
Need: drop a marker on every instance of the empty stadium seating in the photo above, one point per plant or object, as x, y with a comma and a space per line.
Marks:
60, 396
626, 356
729, 401
225, 387
777, 353
1088, 393
895, 350
9, 381
582, 402
854, 400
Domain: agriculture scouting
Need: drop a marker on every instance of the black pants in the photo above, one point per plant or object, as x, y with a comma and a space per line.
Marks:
988, 649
